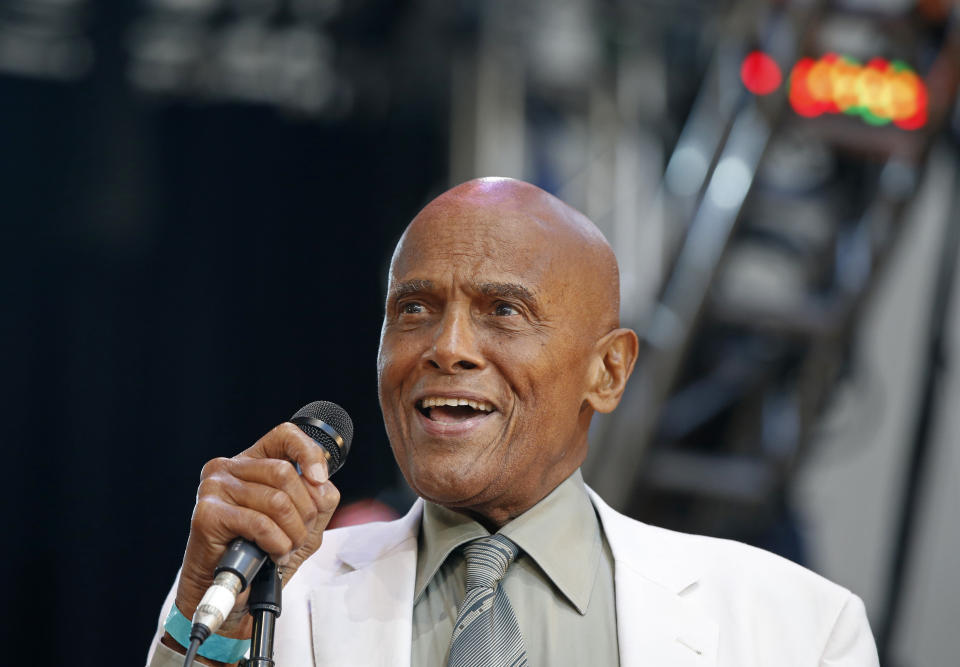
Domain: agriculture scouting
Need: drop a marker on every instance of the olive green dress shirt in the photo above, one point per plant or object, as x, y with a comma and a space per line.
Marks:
561, 585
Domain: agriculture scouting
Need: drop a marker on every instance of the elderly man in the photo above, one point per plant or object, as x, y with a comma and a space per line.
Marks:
500, 340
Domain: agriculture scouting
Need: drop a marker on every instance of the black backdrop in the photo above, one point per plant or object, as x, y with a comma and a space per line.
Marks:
176, 279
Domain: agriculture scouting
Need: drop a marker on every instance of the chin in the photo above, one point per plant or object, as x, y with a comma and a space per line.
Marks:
449, 484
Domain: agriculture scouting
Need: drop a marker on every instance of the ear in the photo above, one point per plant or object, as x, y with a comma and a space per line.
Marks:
615, 356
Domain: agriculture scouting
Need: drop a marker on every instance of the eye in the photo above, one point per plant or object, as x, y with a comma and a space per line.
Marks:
502, 309
412, 308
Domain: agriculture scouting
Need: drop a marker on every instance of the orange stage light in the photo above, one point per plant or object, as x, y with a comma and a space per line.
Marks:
879, 92
801, 97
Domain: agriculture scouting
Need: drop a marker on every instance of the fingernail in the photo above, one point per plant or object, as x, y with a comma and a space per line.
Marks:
318, 473
283, 560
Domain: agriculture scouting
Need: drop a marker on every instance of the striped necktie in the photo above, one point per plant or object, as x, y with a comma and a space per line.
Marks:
486, 632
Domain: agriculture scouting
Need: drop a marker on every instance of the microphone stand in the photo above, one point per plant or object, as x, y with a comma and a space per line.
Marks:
264, 602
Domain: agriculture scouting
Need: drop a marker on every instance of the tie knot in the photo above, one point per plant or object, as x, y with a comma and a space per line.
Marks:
488, 559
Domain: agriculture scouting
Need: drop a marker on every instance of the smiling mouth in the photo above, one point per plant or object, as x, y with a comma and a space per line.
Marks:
452, 410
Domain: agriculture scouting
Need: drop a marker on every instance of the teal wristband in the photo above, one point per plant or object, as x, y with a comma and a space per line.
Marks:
217, 647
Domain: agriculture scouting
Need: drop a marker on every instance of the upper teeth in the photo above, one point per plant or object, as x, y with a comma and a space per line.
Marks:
437, 401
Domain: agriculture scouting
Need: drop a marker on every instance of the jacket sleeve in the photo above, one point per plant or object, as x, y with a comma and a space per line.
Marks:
159, 655
850, 643
165, 657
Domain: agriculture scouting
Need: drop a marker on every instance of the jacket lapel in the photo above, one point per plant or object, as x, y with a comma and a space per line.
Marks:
658, 620
363, 614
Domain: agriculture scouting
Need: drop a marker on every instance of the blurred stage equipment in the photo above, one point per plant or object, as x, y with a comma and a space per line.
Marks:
325, 60
747, 269
45, 39
789, 197
268, 52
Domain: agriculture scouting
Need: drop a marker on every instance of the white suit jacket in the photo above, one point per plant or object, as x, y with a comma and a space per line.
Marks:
680, 600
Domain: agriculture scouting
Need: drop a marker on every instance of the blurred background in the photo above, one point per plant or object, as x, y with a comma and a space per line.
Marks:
199, 199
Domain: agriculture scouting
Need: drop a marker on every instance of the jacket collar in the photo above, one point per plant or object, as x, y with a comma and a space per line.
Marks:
369, 543
361, 611
644, 548
659, 620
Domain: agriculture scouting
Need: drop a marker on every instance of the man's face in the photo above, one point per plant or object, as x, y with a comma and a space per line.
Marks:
485, 310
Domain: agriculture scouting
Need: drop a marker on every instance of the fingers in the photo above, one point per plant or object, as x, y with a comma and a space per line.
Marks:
274, 505
275, 488
287, 442
262, 479
228, 507
328, 497
270, 488
228, 520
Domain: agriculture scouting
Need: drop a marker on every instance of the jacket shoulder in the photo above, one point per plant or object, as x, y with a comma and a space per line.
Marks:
760, 601
734, 567
711, 560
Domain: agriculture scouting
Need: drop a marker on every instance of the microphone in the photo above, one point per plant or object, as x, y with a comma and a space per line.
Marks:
329, 426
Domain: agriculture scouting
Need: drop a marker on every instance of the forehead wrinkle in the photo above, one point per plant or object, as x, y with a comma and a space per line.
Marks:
475, 245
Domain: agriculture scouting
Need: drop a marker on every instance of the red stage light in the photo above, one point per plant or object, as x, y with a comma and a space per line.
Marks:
760, 73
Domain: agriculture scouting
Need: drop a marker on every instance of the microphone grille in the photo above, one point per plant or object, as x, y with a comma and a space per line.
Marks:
338, 419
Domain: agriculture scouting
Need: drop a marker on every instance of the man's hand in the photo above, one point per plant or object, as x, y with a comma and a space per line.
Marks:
259, 496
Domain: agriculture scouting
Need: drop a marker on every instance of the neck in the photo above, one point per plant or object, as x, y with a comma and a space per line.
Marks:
496, 515
493, 521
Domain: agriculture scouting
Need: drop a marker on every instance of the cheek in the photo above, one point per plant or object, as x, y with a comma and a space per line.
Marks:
390, 374
553, 393
397, 361
559, 369
394, 361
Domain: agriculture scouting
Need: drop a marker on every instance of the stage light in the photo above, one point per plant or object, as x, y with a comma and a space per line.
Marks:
879, 92
760, 73
801, 97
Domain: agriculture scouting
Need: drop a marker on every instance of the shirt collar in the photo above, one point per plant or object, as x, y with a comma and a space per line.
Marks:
560, 533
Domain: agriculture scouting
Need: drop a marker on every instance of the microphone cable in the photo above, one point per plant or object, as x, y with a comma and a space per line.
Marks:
198, 635
191, 652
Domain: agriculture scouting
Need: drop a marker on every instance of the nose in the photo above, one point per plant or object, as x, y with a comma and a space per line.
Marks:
455, 344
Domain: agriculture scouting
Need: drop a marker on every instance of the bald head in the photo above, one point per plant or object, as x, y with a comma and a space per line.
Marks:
500, 340
511, 216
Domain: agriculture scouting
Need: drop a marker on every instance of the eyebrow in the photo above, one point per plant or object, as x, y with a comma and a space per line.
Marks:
410, 287
508, 291
488, 289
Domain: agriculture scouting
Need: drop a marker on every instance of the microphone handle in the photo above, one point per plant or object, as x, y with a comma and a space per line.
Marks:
237, 568
244, 559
